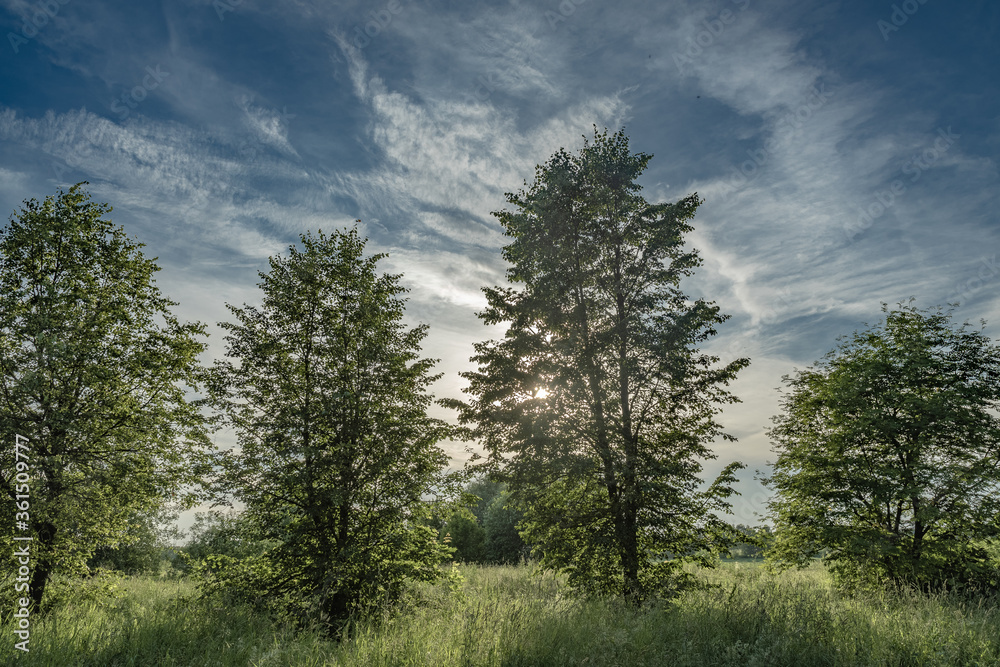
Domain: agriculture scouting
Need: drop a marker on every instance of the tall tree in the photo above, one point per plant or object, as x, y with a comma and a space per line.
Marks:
889, 455
94, 371
328, 398
597, 406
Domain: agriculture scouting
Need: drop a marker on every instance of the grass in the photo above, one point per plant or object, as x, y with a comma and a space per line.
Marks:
506, 616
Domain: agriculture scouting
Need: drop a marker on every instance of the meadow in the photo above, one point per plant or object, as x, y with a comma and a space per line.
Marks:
508, 616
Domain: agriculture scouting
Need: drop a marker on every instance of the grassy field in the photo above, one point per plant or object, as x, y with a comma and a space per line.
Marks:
505, 616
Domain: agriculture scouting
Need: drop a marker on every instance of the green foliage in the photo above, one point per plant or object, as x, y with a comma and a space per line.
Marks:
753, 541
146, 543
466, 537
597, 406
160, 622
95, 372
504, 544
221, 534
485, 530
328, 398
889, 456
485, 490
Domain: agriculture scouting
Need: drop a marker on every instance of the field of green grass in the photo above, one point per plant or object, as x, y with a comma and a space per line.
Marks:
507, 616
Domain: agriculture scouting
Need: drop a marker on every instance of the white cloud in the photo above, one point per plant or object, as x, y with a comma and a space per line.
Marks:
456, 108
268, 126
458, 155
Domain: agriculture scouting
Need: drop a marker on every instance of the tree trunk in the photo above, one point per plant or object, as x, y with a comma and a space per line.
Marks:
628, 536
629, 550
42, 561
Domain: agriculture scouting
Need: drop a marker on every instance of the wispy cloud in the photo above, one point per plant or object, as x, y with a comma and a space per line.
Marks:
458, 155
792, 119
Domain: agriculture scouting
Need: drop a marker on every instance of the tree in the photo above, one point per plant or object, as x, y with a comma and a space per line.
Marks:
753, 543
888, 454
94, 371
328, 399
145, 546
596, 407
485, 490
465, 536
218, 533
503, 541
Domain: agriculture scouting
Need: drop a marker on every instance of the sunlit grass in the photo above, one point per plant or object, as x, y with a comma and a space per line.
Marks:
506, 616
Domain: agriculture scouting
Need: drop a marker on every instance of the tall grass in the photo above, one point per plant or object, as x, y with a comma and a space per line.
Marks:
506, 616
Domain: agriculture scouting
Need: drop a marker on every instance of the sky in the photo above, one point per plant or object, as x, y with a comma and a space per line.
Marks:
846, 151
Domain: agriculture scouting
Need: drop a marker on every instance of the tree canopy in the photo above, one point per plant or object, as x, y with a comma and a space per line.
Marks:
95, 372
597, 406
888, 454
328, 396
485, 530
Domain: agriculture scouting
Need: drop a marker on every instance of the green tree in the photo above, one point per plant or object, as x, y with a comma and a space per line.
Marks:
485, 490
888, 454
597, 406
328, 399
146, 545
503, 541
753, 542
218, 533
94, 371
465, 536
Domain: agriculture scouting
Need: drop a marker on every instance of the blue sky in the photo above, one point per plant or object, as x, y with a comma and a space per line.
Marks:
846, 151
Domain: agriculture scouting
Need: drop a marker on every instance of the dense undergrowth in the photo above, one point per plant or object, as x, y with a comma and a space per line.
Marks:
507, 616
